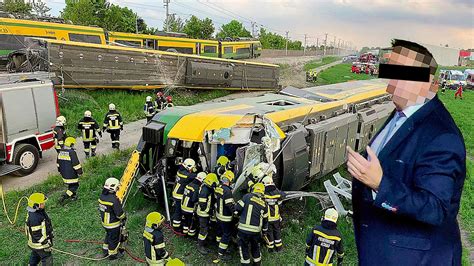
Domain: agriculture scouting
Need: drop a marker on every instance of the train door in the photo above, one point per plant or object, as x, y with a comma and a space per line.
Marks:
198, 48
219, 47
252, 51
150, 43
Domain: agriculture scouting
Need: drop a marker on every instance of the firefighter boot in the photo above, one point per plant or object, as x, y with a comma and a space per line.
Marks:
202, 249
87, 155
93, 153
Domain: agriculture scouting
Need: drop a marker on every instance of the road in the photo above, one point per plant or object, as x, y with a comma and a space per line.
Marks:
293, 74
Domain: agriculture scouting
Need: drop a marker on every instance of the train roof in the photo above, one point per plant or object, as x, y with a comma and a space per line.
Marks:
191, 122
48, 25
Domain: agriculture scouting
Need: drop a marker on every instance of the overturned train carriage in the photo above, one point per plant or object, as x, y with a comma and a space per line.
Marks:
82, 65
304, 132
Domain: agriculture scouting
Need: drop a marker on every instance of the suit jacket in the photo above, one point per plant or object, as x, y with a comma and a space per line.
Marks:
412, 220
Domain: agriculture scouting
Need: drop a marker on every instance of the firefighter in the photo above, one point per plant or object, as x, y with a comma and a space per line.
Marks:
39, 230
325, 240
253, 220
189, 204
90, 130
458, 92
59, 133
149, 108
113, 124
184, 176
70, 169
113, 218
153, 240
255, 175
160, 101
169, 102
205, 209
222, 165
224, 212
273, 197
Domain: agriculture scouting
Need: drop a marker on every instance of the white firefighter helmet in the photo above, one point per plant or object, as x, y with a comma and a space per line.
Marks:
87, 113
201, 176
112, 184
331, 215
189, 164
61, 121
111, 107
267, 180
148, 98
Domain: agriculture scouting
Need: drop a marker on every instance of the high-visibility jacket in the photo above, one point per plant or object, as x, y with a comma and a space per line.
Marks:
89, 129
38, 229
154, 245
273, 197
224, 203
113, 120
68, 165
253, 212
190, 196
59, 136
183, 178
322, 244
149, 109
206, 201
110, 208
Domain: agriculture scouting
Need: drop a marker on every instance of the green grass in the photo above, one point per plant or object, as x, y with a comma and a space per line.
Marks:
339, 73
74, 102
317, 63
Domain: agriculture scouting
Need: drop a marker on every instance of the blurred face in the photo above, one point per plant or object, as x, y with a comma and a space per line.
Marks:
41, 205
406, 92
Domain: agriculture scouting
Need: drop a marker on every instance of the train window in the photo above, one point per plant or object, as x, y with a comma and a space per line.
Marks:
280, 103
15, 42
210, 49
228, 50
75, 37
243, 50
129, 43
183, 50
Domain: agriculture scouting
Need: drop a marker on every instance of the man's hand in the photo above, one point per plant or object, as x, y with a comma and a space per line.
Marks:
366, 171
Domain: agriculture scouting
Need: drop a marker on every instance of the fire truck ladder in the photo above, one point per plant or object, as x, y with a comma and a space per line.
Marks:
128, 176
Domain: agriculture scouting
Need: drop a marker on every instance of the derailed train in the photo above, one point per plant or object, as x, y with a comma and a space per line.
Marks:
303, 132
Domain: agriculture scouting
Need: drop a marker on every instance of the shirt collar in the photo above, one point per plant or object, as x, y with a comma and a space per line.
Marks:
410, 110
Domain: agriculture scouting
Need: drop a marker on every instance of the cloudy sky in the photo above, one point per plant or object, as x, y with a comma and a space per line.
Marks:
361, 22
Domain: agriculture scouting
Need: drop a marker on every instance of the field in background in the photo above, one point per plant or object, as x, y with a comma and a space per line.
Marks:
339, 73
74, 102
317, 63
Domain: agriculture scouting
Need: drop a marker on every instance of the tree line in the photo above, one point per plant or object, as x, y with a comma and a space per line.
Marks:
112, 17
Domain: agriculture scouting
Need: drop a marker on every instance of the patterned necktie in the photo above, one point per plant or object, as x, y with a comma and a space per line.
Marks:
391, 127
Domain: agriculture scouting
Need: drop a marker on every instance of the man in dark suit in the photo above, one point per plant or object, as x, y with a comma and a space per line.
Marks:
406, 194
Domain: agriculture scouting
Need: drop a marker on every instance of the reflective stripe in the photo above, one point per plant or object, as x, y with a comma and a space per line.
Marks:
161, 245
77, 167
202, 237
250, 228
312, 262
222, 245
257, 259
242, 260
70, 181
328, 256
106, 202
336, 238
249, 214
230, 200
176, 195
224, 218
69, 193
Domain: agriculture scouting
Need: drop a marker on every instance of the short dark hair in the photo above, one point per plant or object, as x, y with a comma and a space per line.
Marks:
427, 58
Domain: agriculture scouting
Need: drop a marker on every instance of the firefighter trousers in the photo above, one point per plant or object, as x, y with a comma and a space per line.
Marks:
90, 147
111, 241
41, 255
177, 214
203, 230
224, 235
273, 236
71, 190
249, 245
115, 137
189, 224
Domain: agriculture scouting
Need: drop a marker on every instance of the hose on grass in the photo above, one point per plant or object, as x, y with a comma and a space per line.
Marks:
79, 256
15, 217
130, 254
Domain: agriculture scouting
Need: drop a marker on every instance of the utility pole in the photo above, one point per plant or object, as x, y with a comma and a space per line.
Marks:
304, 48
325, 44
339, 47
136, 24
286, 44
167, 5
253, 23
